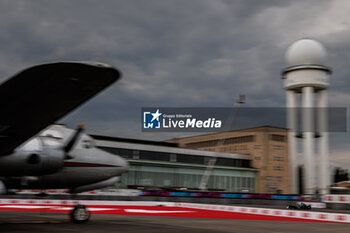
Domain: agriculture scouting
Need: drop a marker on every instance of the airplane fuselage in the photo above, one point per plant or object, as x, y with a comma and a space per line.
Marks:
41, 163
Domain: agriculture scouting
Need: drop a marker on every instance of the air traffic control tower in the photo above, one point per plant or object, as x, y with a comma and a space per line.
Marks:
306, 78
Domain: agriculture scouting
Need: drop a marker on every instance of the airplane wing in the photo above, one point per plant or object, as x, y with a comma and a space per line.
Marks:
40, 95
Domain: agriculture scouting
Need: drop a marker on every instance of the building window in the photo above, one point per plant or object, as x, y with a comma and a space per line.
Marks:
154, 155
279, 178
278, 168
183, 158
242, 139
135, 154
268, 178
278, 158
257, 146
278, 138
125, 153
245, 163
172, 157
271, 185
276, 147
232, 162
224, 141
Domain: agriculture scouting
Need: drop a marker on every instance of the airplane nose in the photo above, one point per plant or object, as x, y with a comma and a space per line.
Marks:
125, 165
121, 163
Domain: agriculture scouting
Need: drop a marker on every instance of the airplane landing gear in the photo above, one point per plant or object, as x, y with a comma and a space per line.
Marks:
79, 214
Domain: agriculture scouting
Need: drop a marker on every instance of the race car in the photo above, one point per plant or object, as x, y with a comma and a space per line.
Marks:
299, 206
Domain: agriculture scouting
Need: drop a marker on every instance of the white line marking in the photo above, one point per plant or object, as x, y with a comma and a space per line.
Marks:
90, 209
24, 206
155, 211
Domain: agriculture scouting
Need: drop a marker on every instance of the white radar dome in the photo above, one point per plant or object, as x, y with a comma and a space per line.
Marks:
306, 52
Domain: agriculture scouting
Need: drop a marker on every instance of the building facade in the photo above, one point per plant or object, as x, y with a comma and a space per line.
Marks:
267, 146
164, 165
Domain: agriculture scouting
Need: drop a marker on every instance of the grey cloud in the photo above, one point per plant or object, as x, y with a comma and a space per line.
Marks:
175, 53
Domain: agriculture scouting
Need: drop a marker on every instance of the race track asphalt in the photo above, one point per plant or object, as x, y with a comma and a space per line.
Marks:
15, 221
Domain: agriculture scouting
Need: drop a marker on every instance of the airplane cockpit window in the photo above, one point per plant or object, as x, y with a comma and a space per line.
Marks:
88, 143
52, 136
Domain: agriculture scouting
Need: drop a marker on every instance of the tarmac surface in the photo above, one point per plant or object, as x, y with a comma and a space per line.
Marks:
14, 221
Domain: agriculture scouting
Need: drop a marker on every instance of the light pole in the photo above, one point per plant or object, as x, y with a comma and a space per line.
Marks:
212, 161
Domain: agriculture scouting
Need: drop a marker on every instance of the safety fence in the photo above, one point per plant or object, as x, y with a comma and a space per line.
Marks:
295, 214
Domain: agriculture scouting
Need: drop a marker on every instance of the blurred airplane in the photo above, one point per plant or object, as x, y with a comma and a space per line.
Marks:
34, 154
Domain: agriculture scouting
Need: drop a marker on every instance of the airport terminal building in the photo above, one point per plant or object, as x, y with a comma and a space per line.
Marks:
165, 165
267, 146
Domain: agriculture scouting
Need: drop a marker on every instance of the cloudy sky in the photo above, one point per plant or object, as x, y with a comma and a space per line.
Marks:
178, 53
